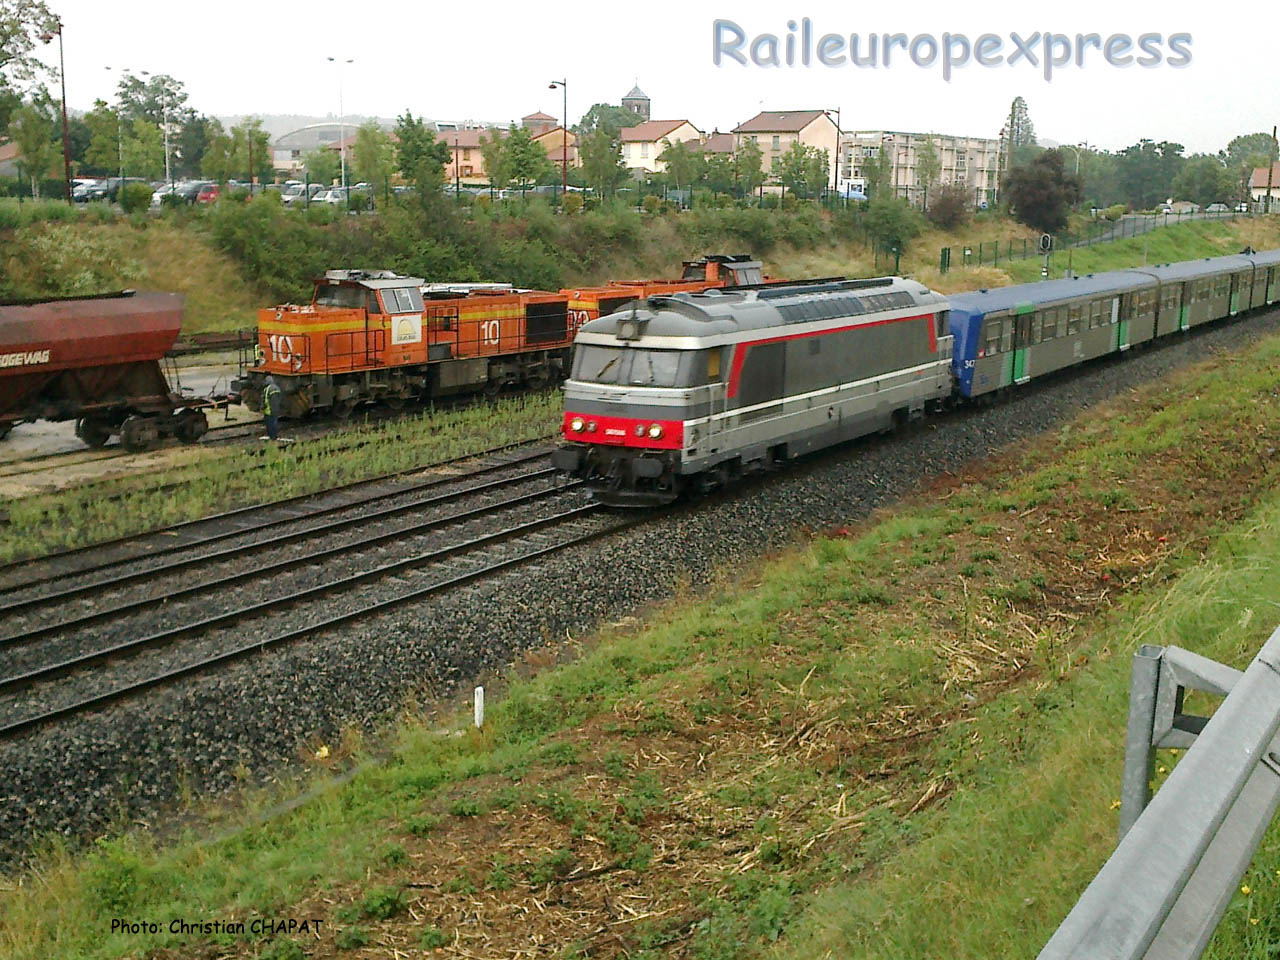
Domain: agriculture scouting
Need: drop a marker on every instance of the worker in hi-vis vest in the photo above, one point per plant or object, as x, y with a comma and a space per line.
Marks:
271, 397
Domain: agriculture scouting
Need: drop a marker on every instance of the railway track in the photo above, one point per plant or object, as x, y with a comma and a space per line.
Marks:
57, 669
97, 558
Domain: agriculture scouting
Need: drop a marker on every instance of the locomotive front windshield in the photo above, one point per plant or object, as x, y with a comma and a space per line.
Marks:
627, 367
332, 295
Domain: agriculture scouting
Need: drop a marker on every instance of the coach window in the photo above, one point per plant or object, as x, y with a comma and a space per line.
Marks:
1074, 315
1049, 329
1037, 323
1006, 335
992, 344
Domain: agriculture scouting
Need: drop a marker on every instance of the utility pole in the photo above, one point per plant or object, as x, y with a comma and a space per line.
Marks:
1271, 167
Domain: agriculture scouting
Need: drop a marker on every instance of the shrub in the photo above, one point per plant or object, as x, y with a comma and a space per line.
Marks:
351, 938
432, 937
1114, 212
651, 204
893, 222
572, 202
135, 197
950, 206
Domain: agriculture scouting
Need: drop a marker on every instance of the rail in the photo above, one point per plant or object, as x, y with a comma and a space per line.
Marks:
1182, 852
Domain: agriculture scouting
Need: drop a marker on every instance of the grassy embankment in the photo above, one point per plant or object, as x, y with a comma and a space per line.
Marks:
217, 479
901, 740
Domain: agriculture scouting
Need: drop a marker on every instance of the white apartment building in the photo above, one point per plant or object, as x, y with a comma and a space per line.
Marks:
972, 161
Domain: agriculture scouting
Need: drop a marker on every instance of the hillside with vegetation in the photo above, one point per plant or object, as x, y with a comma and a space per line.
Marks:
240, 255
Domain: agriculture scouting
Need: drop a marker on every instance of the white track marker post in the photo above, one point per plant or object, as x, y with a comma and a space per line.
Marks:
479, 707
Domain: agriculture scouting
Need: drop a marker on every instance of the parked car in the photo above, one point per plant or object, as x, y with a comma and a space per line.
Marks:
157, 198
298, 192
208, 193
1242, 208
1216, 208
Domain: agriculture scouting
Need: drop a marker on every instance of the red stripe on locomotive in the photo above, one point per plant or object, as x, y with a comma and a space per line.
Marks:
740, 350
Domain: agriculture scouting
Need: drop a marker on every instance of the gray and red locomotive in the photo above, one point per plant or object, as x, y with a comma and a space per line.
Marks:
687, 391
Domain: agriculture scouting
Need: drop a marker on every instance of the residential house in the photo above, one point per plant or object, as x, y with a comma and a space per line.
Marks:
644, 143
1258, 186
971, 161
466, 161
774, 131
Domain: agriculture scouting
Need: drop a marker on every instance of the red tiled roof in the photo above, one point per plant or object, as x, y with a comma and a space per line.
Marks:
470, 138
1259, 178
651, 131
719, 143
540, 116
788, 121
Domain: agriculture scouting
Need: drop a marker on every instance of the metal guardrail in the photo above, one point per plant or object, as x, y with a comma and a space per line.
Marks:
1182, 853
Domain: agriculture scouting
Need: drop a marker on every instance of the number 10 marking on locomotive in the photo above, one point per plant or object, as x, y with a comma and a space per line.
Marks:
489, 331
281, 348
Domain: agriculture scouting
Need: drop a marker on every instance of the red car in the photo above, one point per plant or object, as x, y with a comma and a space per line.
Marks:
208, 193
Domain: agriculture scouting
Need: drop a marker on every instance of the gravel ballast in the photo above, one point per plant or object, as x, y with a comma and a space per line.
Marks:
209, 733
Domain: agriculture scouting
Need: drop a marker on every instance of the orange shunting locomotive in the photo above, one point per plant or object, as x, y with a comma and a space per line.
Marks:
374, 335
378, 336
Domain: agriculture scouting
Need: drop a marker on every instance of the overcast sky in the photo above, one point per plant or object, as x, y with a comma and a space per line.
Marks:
492, 61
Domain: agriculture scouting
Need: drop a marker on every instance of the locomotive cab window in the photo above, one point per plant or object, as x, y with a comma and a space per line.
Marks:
350, 298
402, 299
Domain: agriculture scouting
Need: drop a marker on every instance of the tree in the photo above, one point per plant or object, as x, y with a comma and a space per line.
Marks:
420, 157
877, 170
526, 160
928, 168
143, 149
249, 151
802, 169
218, 162
1017, 140
1041, 192
373, 155
106, 135
154, 99
1246, 146
601, 159
683, 166
34, 131
718, 172
607, 117
21, 23
322, 165
952, 203
495, 158
749, 166
892, 222
192, 140
1204, 180
1146, 171
1247, 153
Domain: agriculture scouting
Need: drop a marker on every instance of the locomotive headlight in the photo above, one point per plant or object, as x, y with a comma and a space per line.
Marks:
655, 431
577, 424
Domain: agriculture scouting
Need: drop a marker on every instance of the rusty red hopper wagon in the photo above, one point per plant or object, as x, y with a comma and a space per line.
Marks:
96, 360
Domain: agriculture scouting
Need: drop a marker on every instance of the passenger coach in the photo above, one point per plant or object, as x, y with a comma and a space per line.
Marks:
697, 388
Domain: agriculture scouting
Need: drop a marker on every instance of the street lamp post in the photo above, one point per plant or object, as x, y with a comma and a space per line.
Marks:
835, 179
564, 136
342, 128
62, 74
